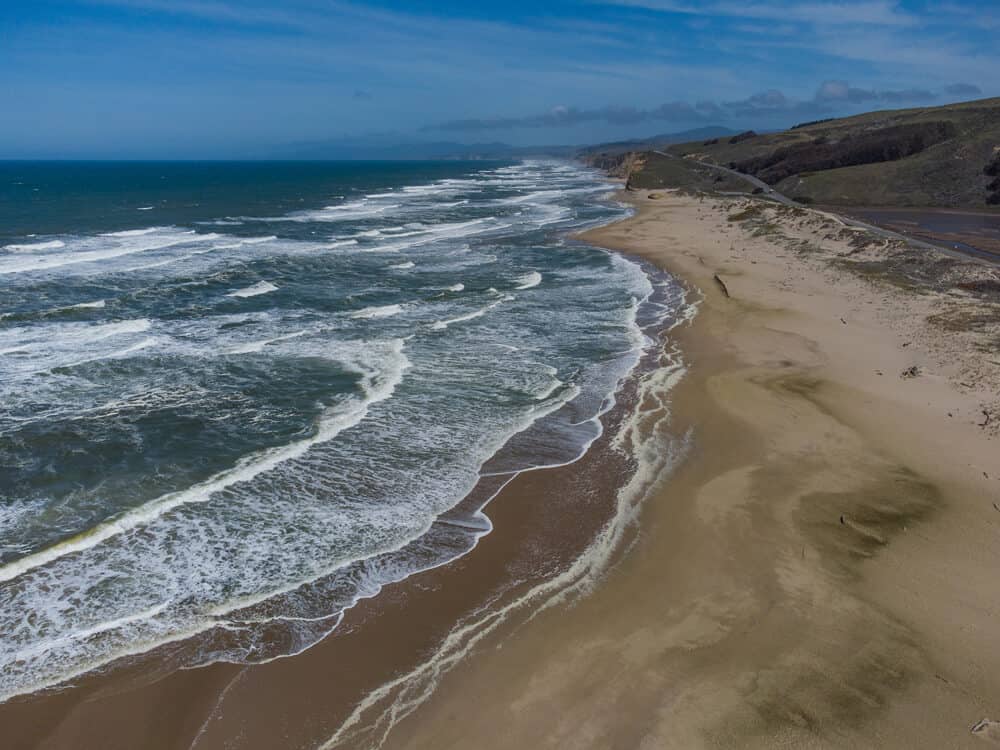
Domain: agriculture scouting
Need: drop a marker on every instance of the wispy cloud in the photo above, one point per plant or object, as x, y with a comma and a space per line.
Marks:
852, 12
247, 14
260, 71
963, 89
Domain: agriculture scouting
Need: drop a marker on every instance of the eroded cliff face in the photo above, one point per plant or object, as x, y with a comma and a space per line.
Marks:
616, 164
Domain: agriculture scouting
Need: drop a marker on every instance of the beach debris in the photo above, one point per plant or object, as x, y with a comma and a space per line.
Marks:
996, 507
987, 729
985, 421
843, 321
910, 372
722, 285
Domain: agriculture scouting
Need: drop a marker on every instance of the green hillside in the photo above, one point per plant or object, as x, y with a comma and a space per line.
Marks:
933, 156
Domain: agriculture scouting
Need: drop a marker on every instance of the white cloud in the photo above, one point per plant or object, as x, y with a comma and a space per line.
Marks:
852, 12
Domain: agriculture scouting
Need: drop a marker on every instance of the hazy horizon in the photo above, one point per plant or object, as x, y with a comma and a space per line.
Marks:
203, 79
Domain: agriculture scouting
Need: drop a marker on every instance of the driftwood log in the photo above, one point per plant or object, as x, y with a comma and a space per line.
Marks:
722, 285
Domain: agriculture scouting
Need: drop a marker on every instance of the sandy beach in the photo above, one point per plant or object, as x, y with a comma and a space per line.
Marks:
819, 570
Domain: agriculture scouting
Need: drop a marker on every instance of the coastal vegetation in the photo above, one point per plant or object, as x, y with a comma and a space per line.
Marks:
945, 156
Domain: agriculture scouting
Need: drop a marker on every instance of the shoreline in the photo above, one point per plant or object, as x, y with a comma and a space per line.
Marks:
818, 571
814, 573
145, 703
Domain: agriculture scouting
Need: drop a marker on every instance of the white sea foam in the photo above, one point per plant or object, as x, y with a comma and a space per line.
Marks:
340, 243
137, 232
240, 242
103, 247
441, 325
351, 211
532, 197
258, 346
53, 649
530, 280
435, 232
261, 287
376, 387
384, 311
403, 266
35, 246
53, 345
116, 354
107, 330
456, 287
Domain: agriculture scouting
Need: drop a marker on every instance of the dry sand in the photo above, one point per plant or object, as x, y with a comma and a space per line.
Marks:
823, 570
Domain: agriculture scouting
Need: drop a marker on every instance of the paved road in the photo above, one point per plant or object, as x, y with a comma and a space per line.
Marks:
769, 192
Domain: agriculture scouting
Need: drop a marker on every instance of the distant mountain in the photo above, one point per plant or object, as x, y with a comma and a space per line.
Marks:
656, 141
391, 148
359, 149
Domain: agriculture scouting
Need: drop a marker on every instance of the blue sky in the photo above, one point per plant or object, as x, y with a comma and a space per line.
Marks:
225, 78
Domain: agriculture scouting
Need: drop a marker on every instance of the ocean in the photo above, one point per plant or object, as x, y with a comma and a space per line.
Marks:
235, 398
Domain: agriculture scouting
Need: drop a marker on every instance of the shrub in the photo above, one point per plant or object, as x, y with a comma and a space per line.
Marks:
811, 122
740, 137
745, 214
992, 169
